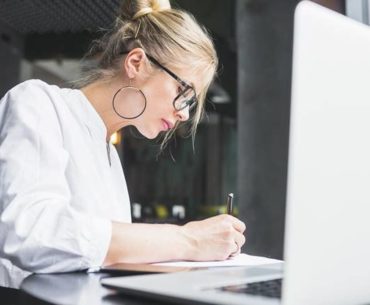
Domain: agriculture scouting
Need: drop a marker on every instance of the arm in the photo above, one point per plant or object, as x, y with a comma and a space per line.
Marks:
39, 230
210, 239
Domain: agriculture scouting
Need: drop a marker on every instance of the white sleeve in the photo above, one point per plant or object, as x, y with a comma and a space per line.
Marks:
39, 229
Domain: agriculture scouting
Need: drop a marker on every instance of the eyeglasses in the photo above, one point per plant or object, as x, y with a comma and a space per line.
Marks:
186, 97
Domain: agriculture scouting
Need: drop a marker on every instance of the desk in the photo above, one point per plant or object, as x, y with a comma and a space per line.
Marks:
67, 289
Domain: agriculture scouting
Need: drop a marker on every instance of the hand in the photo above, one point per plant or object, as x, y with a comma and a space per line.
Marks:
215, 238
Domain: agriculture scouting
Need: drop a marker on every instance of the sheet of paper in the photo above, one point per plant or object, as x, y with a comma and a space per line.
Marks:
242, 259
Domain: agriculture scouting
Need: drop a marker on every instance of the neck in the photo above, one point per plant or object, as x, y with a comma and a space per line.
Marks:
100, 95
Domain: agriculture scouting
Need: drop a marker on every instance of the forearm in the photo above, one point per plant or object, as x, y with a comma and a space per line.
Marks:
215, 238
147, 243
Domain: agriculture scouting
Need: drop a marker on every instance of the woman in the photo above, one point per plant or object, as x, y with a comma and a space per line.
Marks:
64, 202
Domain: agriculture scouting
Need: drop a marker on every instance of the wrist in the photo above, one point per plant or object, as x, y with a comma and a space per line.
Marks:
189, 241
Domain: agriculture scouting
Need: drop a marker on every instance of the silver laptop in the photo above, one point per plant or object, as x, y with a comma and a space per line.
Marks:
327, 249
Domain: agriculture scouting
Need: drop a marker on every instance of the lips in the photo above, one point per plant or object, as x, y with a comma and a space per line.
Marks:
166, 124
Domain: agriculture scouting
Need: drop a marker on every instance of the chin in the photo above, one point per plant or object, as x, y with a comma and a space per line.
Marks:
149, 134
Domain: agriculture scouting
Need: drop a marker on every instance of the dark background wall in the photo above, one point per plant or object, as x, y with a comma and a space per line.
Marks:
11, 53
264, 39
264, 35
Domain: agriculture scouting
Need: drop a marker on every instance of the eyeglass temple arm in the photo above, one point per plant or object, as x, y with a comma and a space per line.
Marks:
152, 59
168, 71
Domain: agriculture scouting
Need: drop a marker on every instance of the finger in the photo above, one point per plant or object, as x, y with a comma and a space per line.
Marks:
236, 251
240, 240
238, 224
236, 243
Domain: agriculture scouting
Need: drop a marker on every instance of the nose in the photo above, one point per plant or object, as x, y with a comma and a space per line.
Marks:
183, 115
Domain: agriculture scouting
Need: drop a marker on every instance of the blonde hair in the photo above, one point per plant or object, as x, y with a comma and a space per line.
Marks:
172, 36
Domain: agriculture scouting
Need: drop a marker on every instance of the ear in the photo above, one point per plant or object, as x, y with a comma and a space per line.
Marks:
135, 62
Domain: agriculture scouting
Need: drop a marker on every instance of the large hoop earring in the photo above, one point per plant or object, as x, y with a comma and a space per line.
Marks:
129, 87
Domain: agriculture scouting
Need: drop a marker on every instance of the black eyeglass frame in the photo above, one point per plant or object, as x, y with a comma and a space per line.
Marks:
192, 102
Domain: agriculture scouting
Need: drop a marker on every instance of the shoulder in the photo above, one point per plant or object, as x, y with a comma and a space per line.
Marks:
30, 88
30, 96
31, 105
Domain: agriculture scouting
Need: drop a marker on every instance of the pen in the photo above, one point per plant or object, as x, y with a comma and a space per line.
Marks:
229, 206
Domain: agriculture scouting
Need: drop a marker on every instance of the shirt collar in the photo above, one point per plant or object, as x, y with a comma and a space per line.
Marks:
92, 119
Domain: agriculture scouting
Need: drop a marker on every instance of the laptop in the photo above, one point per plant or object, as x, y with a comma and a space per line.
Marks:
327, 248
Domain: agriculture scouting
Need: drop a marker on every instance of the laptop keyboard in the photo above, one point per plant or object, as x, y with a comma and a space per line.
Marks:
270, 288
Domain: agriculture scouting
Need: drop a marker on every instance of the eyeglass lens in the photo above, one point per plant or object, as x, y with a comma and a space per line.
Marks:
185, 98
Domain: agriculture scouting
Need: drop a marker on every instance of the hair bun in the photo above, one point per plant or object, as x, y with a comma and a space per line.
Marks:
134, 9
144, 11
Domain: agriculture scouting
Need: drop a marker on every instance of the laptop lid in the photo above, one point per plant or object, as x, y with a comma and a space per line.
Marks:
327, 248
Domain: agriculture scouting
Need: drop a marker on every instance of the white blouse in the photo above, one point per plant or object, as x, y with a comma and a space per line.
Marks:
61, 183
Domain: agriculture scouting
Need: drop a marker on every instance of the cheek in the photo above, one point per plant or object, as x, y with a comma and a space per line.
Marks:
160, 96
